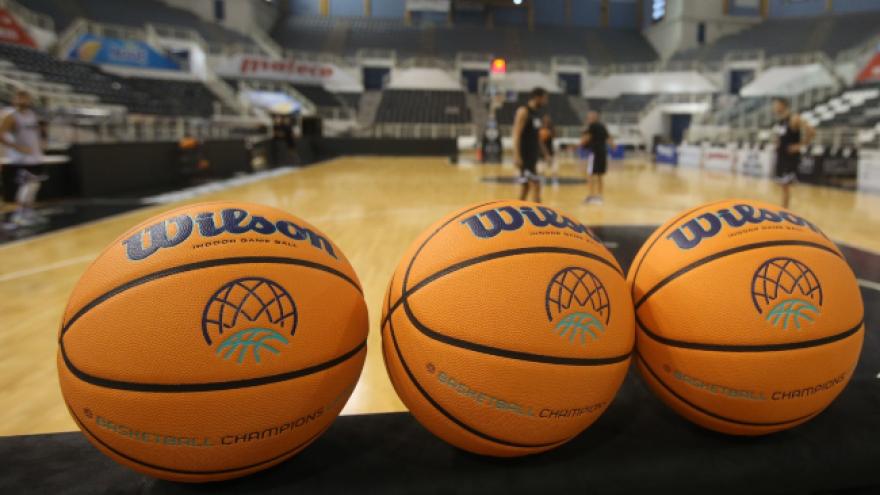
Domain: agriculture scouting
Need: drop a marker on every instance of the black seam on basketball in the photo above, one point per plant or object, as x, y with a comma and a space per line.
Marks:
712, 414
238, 260
182, 471
749, 348
659, 235
208, 386
491, 256
722, 254
449, 415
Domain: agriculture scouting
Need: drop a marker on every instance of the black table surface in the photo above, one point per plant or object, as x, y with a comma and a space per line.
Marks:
637, 446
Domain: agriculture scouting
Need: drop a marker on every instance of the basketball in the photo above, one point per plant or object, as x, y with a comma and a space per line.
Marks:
750, 320
507, 328
212, 341
544, 134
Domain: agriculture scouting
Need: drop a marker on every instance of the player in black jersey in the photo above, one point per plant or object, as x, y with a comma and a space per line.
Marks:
526, 148
598, 140
793, 134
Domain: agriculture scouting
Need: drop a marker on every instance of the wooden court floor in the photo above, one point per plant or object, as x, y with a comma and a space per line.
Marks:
373, 208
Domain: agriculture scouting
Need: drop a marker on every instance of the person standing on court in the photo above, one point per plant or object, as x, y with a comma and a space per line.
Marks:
793, 134
545, 136
20, 135
526, 147
597, 139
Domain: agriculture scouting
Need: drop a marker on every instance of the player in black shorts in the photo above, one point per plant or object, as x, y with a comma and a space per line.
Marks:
526, 148
793, 134
545, 137
596, 139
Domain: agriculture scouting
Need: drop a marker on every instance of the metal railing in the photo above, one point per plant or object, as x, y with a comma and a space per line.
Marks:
426, 63
416, 131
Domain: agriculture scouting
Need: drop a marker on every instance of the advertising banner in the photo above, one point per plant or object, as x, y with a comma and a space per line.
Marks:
869, 170
666, 153
871, 71
720, 159
257, 67
690, 156
755, 162
12, 32
111, 51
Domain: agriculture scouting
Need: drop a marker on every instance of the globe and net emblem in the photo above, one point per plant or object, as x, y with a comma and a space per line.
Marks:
578, 301
248, 319
787, 292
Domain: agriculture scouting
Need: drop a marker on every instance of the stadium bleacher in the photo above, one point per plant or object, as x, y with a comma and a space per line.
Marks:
347, 36
828, 34
558, 108
134, 13
147, 96
420, 106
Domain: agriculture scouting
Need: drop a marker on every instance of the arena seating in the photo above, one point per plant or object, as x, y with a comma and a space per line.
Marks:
422, 106
827, 34
345, 35
351, 100
148, 96
739, 109
559, 109
628, 103
854, 107
134, 13
319, 96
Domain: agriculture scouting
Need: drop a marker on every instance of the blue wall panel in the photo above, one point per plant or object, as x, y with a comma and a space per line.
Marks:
845, 6
796, 8
623, 14
305, 7
586, 12
347, 8
550, 12
391, 9
511, 17
750, 8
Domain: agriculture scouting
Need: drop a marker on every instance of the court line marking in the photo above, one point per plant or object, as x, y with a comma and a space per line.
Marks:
6, 277
869, 284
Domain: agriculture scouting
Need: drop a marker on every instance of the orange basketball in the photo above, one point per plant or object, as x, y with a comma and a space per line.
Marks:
212, 341
544, 134
507, 328
749, 319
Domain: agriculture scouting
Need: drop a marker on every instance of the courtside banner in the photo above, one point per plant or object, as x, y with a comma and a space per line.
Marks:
112, 51
666, 153
869, 170
755, 162
287, 69
721, 159
690, 156
12, 32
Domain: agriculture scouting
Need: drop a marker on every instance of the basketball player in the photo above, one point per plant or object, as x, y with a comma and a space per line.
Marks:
20, 134
793, 134
545, 136
525, 142
597, 139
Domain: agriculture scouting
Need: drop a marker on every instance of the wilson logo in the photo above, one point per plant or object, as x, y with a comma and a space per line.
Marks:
707, 225
490, 223
248, 319
786, 292
172, 231
577, 299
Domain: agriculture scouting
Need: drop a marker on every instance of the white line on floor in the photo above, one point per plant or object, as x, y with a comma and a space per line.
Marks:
870, 284
45, 268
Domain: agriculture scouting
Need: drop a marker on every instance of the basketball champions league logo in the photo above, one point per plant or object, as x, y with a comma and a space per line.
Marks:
578, 302
787, 292
249, 319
